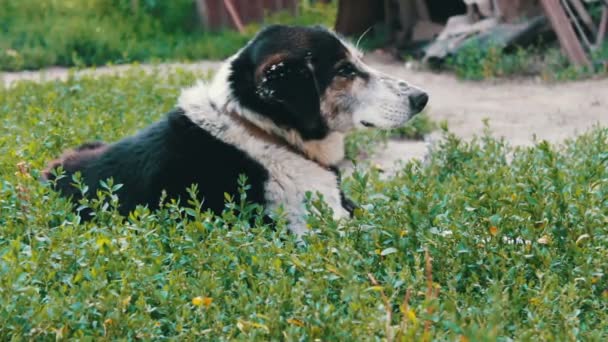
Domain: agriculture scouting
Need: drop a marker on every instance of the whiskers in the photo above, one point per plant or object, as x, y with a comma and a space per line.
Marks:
362, 36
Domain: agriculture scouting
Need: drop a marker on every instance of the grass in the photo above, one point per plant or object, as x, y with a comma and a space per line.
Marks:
546, 62
436, 252
35, 34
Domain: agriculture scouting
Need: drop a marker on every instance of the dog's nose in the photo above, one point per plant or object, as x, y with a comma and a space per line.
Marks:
418, 100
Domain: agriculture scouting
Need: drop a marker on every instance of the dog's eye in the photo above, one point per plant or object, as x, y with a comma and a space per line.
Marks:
347, 70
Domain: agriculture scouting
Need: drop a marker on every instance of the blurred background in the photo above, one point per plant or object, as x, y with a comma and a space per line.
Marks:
476, 39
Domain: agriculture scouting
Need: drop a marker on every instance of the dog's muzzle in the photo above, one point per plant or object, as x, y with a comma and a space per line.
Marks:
418, 100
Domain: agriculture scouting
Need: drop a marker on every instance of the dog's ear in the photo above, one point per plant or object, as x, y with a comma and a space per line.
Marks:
291, 84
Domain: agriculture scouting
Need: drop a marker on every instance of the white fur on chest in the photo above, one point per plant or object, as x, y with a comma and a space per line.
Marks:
290, 180
291, 175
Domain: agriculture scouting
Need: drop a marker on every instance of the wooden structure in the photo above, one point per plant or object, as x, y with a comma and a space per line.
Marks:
448, 24
356, 16
218, 14
577, 33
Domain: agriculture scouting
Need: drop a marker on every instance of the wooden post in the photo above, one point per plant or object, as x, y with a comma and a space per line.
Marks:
603, 27
585, 17
422, 10
234, 15
201, 10
407, 16
356, 16
565, 33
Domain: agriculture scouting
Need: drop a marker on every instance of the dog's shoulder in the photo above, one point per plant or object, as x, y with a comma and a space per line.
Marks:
169, 155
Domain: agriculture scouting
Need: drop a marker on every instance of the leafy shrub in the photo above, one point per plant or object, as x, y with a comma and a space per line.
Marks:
172, 16
366, 141
485, 242
35, 34
474, 62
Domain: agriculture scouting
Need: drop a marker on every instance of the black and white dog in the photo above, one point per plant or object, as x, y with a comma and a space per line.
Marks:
276, 111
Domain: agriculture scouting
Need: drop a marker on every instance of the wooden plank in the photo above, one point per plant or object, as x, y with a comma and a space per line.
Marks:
234, 15
513, 10
603, 28
258, 10
584, 15
565, 33
201, 10
217, 14
422, 10
407, 16
214, 14
509, 9
389, 19
575, 20
356, 16
223, 17
271, 5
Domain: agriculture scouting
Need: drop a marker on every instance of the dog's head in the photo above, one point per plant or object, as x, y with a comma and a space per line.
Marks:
309, 85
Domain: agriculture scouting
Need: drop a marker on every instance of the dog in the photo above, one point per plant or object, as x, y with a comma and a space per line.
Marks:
277, 111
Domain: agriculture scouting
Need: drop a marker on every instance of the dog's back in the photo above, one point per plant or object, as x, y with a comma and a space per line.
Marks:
73, 161
170, 155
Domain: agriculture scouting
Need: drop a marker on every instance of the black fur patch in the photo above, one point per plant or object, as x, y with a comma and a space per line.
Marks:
169, 155
297, 67
348, 204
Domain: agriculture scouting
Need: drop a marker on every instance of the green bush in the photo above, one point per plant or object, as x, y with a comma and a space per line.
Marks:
366, 141
474, 62
186, 274
35, 34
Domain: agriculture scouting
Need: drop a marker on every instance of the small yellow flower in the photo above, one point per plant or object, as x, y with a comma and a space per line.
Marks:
295, 321
493, 230
108, 321
582, 238
358, 212
202, 301
197, 301
544, 240
207, 301
126, 301
411, 315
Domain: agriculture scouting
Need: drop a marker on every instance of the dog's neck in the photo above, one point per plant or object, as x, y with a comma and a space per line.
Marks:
214, 104
327, 152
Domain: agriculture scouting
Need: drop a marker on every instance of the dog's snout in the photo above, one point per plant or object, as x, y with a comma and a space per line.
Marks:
418, 100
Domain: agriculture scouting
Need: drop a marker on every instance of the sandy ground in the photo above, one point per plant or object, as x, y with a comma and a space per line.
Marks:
516, 109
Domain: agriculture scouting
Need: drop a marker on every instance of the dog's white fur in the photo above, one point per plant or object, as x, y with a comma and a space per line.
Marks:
381, 98
291, 175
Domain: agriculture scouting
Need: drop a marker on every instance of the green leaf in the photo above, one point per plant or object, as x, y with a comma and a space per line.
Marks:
388, 251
